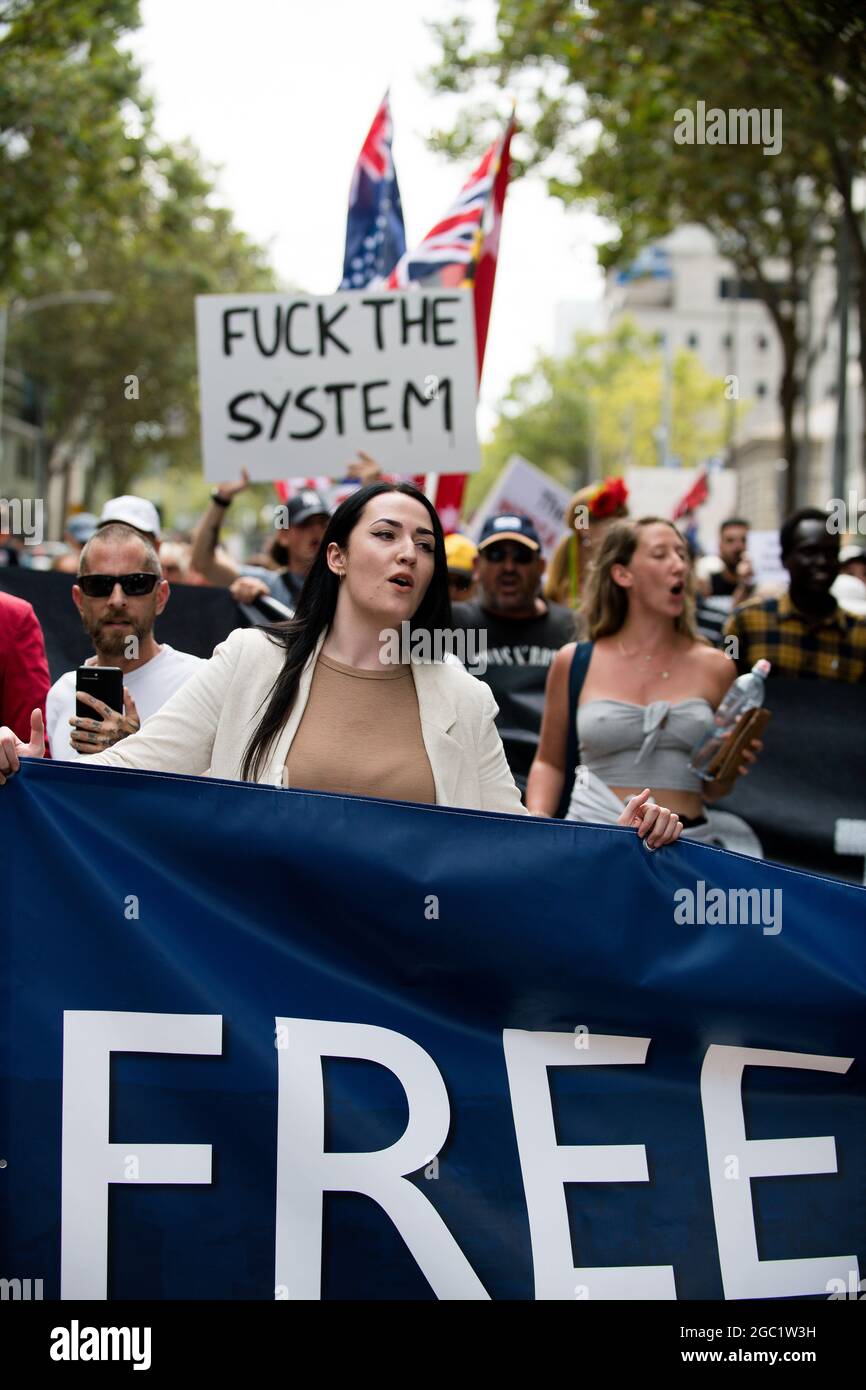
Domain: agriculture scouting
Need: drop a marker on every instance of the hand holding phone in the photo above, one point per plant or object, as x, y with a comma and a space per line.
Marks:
104, 710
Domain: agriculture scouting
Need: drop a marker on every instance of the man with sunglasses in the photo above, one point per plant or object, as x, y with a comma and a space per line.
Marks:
119, 595
523, 632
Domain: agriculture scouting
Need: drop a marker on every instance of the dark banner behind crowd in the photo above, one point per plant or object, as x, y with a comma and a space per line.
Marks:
194, 620
267, 1044
806, 799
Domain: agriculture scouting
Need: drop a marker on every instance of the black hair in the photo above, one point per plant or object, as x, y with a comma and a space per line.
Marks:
788, 529
733, 521
317, 604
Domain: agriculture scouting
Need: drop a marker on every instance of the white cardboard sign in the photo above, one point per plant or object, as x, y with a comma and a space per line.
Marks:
521, 487
765, 553
293, 385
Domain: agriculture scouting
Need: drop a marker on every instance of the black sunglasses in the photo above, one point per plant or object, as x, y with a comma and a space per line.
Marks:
521, 554
462, 582
133, 585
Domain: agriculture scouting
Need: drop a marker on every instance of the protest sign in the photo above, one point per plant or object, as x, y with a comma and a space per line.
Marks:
461, 1055
522, 487
656, 492
294, 385
766, 556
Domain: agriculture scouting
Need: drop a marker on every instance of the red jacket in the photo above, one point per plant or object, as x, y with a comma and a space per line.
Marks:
24, 678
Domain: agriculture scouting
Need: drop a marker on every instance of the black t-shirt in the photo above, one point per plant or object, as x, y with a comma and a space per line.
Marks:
519, 653
720, 586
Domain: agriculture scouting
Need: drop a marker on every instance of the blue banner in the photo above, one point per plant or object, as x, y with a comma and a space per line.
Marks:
261, 1044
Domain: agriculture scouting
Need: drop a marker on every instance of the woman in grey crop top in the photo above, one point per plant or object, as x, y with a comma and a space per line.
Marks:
650, 691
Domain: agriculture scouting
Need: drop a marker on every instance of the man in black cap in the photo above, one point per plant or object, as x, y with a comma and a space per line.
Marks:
521, 630
300, 525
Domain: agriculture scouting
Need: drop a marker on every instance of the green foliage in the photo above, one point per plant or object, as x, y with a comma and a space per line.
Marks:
71, 116
599, 410
98, 208
598, 92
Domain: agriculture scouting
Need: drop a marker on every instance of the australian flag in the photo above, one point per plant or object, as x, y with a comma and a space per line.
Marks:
375, 236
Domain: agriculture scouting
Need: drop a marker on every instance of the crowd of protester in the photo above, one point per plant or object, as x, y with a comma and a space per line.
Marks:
599, 675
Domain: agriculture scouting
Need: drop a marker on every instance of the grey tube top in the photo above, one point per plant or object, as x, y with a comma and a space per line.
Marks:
643, 745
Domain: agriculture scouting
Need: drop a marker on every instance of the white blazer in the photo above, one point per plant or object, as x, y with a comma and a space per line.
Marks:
205, 726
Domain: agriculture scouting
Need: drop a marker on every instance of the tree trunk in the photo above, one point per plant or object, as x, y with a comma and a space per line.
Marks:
789, 392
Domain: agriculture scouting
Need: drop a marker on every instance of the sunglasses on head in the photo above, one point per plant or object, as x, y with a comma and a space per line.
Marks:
133, 585
460, 581
521, 554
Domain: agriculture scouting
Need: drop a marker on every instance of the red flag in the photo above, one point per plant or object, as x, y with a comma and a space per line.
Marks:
695, 497
451, 486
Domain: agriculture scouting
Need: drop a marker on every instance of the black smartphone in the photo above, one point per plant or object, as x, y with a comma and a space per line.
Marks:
103, 682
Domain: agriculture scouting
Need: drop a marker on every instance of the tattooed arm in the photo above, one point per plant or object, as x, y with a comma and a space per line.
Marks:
218, 569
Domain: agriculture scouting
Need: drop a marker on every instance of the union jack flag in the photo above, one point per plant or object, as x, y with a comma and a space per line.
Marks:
449, 252
461, 252
375, 235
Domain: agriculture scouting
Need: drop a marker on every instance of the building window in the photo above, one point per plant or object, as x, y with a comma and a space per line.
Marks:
732, 288
728, 340
763, 342
692, 340
761, 388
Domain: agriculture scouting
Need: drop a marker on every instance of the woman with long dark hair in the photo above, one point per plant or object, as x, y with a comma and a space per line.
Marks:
320, 702
633, 700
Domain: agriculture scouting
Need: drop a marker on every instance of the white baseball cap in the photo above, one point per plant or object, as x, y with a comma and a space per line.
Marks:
131, 511
850, 594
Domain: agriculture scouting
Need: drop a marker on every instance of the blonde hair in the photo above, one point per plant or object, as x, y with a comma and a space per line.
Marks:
605, 603
564, 567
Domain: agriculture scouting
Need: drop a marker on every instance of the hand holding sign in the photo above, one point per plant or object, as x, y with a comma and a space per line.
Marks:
367, 470
228, 491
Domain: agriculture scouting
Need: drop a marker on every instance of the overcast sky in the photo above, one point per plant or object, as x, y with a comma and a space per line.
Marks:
280, 93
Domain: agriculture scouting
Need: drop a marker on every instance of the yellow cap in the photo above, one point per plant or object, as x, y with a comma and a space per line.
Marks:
461, 552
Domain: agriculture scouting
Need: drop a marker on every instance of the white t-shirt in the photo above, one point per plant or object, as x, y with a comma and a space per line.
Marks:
149, 685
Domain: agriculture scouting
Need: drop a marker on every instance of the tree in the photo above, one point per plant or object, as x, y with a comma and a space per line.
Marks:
92, 200
122, 376
72, 119
624, 70
599, 410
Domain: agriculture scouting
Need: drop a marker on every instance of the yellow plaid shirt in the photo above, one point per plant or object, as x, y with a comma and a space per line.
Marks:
831, 648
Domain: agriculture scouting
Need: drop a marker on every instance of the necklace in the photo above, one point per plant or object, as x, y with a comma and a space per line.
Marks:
665, 675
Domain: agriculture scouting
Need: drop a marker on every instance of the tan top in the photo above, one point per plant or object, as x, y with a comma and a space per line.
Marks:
360, 734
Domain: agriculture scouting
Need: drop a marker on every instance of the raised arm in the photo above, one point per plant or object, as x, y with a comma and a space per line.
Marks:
220, 571
547, 774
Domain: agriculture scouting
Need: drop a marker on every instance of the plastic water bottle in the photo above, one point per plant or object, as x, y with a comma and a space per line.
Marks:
746, 693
